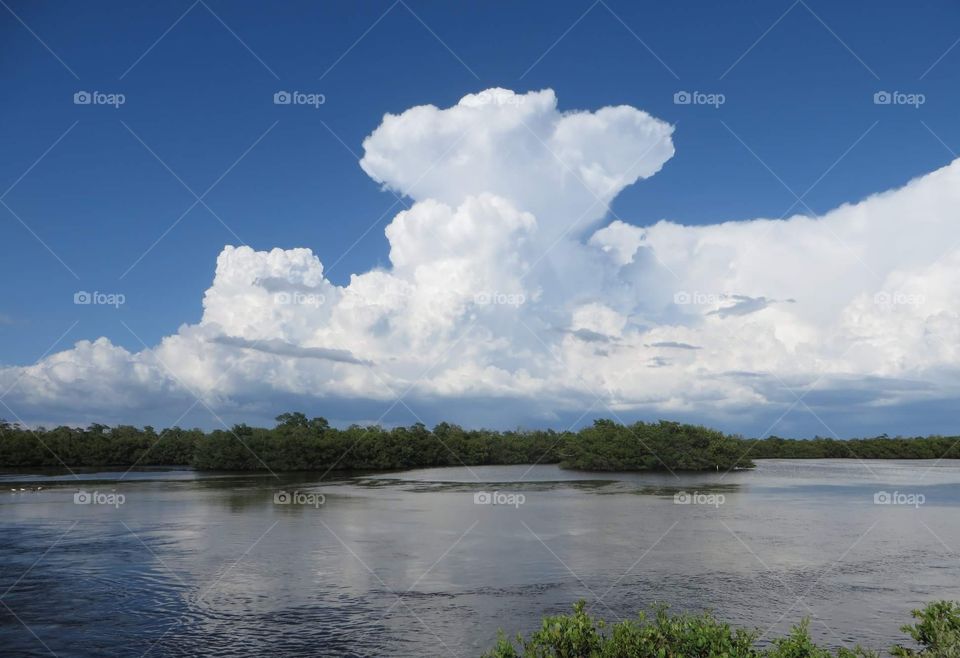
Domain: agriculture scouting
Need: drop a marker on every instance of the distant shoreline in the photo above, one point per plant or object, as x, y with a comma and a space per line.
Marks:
299, 444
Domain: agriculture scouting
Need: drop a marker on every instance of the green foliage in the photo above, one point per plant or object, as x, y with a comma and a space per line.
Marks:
663, 635
608, 446
566, 636
299, 443
678, 635
937, 632
96, 445
880, 447
799, 645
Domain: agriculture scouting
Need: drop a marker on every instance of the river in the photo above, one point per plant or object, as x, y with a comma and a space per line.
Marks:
432, 562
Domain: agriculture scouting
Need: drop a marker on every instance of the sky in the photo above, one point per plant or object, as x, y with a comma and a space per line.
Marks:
496, 214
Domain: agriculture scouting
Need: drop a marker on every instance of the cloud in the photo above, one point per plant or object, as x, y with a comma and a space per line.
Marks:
742, 305
508, 300
675, 345
590, 336
564, 168
283, 348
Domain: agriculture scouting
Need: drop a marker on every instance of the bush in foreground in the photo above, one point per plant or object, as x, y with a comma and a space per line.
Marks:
663, 635
937, 632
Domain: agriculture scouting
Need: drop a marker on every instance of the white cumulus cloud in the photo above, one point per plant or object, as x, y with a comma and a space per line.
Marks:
508, 299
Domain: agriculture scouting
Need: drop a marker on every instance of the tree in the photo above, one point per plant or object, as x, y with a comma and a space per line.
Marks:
292, 419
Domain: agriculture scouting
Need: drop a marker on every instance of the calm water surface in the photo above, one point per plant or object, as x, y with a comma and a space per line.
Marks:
408, 564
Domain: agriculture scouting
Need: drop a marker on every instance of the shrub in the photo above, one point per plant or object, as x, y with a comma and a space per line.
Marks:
937, 632
663, 635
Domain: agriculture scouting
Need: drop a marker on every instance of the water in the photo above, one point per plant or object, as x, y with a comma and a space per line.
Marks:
407, 564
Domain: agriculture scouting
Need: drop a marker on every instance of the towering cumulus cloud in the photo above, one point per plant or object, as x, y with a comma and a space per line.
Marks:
508, 293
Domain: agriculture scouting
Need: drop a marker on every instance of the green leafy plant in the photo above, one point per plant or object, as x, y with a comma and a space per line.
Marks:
662, 635
937, 632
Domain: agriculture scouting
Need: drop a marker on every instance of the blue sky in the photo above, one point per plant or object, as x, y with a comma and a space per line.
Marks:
88, 199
